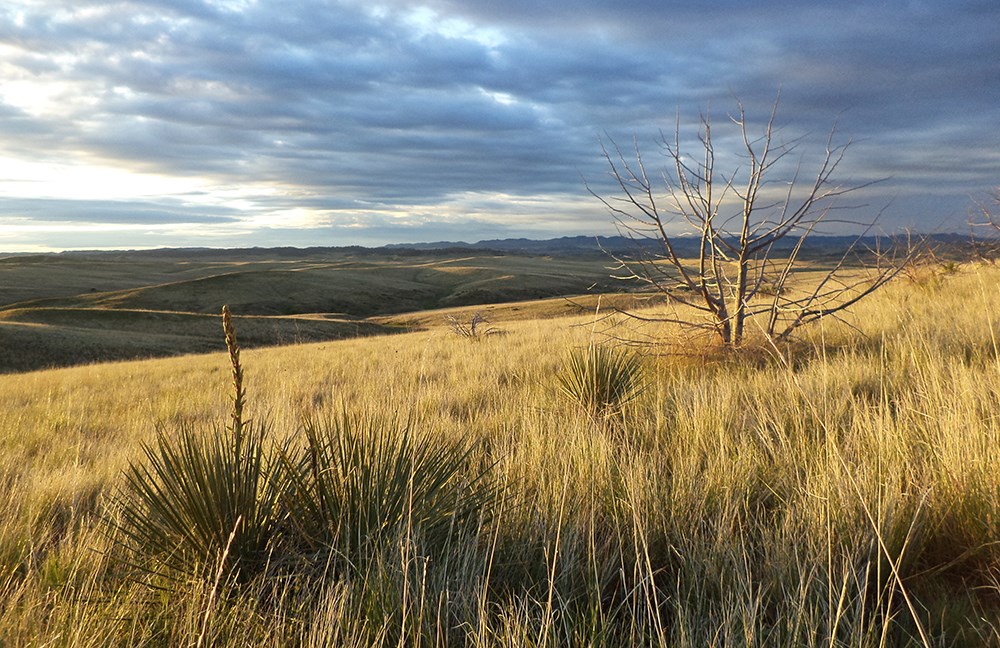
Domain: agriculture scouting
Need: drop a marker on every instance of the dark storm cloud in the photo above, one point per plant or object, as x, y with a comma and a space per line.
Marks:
339, 104
111, 212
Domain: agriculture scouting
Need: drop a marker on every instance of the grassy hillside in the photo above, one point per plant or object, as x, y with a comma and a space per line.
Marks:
847, 495
65, 310
52, 337
358, 287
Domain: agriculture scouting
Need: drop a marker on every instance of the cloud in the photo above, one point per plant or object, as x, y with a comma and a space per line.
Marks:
325, 105
93, 212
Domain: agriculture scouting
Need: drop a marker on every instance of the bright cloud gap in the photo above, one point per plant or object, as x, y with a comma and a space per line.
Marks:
144, 124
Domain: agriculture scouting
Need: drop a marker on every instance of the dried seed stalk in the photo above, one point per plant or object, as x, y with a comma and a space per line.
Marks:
233, 347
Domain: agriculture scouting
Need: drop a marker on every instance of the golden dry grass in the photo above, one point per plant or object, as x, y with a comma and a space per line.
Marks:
847, 494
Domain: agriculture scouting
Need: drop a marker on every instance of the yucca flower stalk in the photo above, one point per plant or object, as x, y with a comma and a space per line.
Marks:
239, 397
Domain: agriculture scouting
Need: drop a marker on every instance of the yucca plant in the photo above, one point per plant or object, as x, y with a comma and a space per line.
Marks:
601, 379
201, 505
362, 481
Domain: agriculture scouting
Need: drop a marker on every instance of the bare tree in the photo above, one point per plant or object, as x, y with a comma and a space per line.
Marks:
994, 210
987, 247
989, 210
750, 225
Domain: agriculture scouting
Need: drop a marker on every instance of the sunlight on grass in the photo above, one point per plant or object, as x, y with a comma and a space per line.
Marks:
846, 494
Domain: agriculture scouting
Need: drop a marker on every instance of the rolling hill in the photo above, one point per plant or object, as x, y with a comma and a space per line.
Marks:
58, 310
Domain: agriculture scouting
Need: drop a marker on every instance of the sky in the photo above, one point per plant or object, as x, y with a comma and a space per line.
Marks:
237, 123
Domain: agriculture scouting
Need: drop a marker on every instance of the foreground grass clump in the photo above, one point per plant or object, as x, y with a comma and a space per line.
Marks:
201, 505
361, 483
602, 380
231, 503
848, 496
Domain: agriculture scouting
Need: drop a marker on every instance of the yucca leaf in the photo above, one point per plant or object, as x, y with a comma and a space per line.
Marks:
361, 482
197, 500
602, 380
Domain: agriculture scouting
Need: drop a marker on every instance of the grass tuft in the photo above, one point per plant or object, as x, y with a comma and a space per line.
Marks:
363, 482
200, 505
602, 380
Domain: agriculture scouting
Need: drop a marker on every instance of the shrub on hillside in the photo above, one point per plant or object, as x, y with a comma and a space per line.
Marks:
477, 328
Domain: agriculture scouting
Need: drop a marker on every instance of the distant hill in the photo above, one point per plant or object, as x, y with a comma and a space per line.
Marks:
566, 245
581, 245
620, 245
86, 306
63, 309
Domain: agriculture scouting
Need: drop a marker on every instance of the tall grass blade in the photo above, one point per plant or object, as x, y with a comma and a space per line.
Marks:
361, 482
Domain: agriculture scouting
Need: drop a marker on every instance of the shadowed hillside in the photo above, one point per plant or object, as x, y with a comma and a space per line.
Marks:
78, 308
356, 287
36, 338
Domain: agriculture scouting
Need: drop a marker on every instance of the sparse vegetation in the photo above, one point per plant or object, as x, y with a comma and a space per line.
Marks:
602, 379
476, 329
844, 496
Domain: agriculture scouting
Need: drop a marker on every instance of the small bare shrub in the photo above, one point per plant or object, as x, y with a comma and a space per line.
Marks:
926, 269
475, 329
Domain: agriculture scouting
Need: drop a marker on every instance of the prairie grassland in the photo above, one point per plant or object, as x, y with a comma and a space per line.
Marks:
61, 311
339, 283
846, 494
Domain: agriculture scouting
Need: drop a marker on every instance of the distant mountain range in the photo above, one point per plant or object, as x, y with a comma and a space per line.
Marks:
620, 245
563, 246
